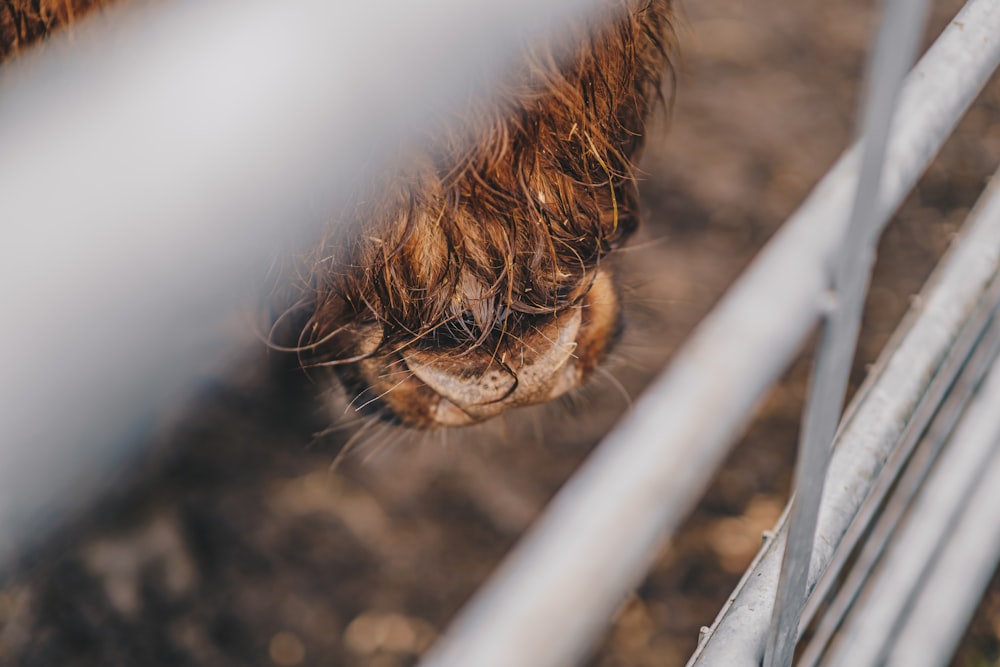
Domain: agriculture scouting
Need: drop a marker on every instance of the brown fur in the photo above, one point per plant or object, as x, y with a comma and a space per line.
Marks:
22, 22
469, 253
472, 278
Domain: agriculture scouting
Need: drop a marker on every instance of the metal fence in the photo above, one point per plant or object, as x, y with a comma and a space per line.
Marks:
552, 596
910, 481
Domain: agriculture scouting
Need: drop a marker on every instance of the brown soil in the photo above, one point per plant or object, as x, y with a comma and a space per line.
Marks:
232, 543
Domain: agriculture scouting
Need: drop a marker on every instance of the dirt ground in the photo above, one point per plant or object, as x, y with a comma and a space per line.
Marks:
233, 543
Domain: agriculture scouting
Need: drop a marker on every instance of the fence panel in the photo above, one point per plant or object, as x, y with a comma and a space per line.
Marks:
548, 601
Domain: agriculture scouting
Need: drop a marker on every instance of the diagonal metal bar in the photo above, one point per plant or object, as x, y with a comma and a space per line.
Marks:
895, 50
957, 581
957, 483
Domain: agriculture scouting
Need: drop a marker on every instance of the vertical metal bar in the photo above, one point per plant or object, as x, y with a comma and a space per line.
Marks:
895, 51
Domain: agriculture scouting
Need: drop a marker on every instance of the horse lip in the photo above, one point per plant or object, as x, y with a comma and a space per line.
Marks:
447, 413
569, 378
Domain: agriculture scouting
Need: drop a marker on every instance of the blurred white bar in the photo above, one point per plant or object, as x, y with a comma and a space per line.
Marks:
149, 169
551, 599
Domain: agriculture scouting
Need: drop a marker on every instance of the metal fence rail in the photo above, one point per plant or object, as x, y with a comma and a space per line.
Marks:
549, 600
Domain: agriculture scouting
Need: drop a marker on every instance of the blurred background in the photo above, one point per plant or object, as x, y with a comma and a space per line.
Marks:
232, 542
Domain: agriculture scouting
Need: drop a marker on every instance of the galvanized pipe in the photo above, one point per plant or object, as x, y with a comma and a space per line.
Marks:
928, 430
552, 597
961, 574
881, 414
903, 475
961, 480
928, 637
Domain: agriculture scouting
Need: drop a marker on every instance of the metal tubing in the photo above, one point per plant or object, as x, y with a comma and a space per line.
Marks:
903, 475
550, 599
880, 415
953, 486
895, 49
958, 579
